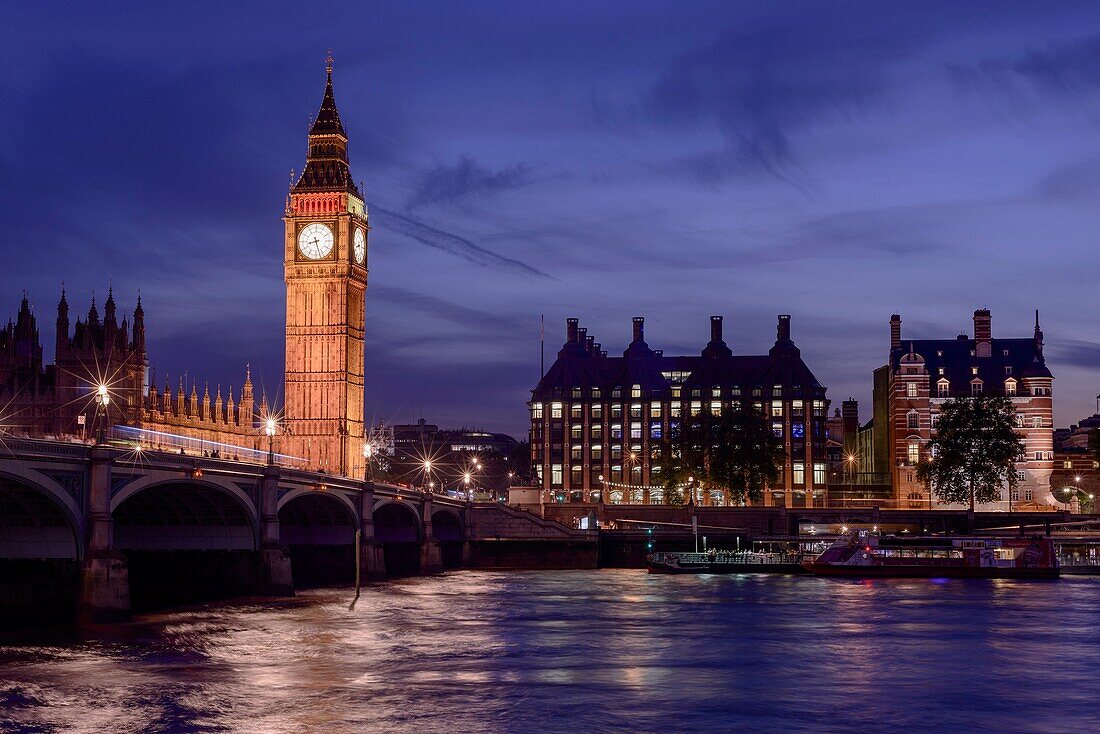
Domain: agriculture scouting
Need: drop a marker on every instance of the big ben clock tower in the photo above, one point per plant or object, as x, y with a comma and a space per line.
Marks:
325, 267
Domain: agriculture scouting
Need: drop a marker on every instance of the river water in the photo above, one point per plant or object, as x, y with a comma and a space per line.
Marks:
582, 651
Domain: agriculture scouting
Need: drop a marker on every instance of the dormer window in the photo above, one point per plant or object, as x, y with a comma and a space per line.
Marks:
973, 370
976, 387
1008, 370
576, 393
943, 388
635, 391
1010, 387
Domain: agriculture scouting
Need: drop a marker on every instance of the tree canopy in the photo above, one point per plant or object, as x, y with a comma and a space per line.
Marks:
734, 451
974, 451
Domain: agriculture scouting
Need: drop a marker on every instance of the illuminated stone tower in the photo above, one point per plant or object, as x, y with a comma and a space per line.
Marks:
325, 267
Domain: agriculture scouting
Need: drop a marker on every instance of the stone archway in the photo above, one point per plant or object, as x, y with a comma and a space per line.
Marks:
318, 528
398, 530
185, 541
447, 529
40, 551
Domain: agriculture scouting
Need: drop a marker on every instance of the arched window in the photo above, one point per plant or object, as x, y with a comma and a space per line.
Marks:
943, 388
912, 419
1010, 387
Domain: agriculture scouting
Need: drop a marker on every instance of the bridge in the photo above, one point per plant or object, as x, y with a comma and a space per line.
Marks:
110, 529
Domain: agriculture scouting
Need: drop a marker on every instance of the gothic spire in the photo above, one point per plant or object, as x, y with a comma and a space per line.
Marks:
327, 168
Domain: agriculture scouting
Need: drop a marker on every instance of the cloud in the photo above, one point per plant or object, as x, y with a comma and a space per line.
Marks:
1060, 67
471, 318
449, 243
757, 90
465, 180
1074, 352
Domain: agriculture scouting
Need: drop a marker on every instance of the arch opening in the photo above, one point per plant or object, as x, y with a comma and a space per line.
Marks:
396, 528
447, 529
39, 557
186, 542
319, 531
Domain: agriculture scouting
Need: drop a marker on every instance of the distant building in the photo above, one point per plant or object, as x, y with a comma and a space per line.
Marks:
922, 374
596, 420
1076, 465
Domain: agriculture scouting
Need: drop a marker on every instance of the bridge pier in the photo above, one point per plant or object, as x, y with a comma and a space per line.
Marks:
372, 558
105, 578
276, 577
431, 554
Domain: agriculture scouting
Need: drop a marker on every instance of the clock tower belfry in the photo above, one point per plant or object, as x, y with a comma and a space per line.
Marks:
325, 268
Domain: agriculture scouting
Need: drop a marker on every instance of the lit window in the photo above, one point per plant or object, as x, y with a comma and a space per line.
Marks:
777, 409
555, 410
1037, 422
777, 429
819, 474
576, 411
596, 392
635, 391
636, 431
655, 408
635, 410
597, 431
910, 389
716, 392
655, 429
716, 407
943, 388
674, 410
914, 452
616, 410
597, 452
1010, 388
555, 475
796, 408
777, 391
798, 473
973, 370
1067, 464
696, 407
576, 393
536, 411
597, 410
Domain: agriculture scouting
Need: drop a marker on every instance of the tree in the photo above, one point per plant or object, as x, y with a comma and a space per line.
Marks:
735, 451
974, 452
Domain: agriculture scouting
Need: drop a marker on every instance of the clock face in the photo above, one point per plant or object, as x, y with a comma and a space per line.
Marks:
315, 241
359, 247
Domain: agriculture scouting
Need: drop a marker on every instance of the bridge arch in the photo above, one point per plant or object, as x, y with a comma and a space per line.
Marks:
398, 529
447, 528
38, 517
318, 529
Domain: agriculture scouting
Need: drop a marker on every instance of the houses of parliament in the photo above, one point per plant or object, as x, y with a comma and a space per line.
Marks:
325, 271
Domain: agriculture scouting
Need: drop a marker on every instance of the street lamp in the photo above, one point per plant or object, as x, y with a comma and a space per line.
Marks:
466, 481
271, 426
102, 401
368, 456
428, 473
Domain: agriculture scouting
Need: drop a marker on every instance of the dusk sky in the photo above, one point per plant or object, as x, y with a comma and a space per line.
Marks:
836, 161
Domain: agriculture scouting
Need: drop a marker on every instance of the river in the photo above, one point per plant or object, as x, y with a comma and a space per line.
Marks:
579, 652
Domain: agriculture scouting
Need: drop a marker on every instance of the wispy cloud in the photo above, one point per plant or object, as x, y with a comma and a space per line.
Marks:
449, 243
1063, 67
464, 181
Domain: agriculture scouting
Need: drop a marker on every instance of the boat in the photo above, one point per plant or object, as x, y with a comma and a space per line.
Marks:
869, 556
716, 561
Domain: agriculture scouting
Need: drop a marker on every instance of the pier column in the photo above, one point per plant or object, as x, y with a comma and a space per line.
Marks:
276, 576
372, 559
105, 579
431, 556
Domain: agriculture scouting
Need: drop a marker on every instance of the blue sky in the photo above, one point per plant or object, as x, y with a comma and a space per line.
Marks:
835, 161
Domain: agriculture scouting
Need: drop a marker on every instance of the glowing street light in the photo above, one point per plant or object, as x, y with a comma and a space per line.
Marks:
271, 427
102, 401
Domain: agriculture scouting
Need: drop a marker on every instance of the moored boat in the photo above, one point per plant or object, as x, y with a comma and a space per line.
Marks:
723, 562
963, 557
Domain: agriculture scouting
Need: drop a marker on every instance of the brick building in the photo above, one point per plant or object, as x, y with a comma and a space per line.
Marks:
596, 420
922, 374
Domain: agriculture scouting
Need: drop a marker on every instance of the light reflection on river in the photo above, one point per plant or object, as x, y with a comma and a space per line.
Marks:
583, 651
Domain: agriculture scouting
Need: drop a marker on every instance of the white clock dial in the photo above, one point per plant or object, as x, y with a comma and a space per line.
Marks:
359, 247
315, 241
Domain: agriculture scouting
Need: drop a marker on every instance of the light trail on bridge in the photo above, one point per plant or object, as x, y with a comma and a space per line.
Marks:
184, 442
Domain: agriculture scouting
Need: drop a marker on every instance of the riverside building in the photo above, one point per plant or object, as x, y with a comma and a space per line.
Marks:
596, 421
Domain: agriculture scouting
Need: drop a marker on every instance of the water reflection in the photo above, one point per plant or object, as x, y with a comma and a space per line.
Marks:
573, 651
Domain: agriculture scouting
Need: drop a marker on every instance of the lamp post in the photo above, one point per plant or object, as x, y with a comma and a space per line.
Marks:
428, 473
368, 456
270, 428
102, 402
466, 481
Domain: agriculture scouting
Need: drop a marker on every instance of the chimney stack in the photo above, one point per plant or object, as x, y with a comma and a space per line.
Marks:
571, 330
639, 328
783, 329
895, 332
716, 328
983, 333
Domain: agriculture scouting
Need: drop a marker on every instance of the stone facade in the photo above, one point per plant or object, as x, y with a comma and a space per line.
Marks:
923, 374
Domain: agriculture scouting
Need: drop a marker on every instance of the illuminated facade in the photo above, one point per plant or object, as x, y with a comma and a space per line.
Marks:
596, 421
325, 268
924, 373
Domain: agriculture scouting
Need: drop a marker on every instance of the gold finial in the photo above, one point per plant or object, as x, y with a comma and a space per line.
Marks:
328, 61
